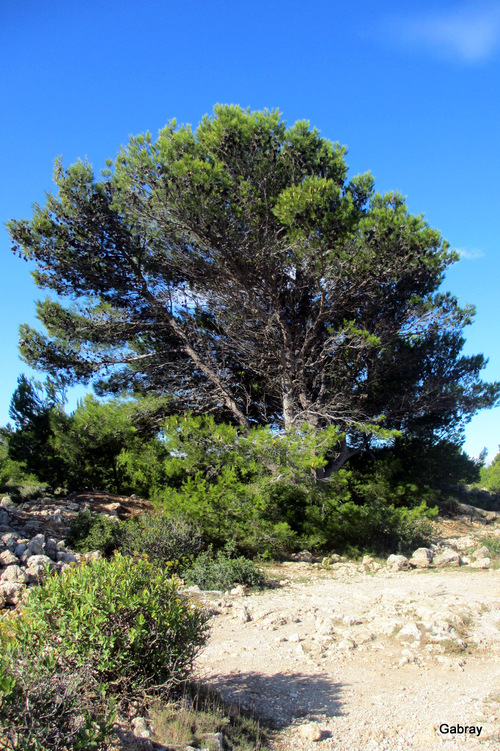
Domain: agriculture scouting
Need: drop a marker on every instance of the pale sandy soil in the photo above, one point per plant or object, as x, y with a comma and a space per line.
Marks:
326, 648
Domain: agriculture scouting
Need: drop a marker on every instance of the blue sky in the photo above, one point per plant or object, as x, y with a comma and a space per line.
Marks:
411, 88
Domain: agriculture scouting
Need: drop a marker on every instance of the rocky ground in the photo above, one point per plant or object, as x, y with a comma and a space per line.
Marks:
348, 657
337, 654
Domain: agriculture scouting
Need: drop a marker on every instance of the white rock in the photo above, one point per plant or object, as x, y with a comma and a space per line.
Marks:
398, 562
12, 592
13, 574
244, 615
411, 629
483, 552
7, 558
421, 558
481, 563
448, 557
311, 732
141, 729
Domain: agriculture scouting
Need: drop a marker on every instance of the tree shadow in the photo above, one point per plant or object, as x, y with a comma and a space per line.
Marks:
280, 698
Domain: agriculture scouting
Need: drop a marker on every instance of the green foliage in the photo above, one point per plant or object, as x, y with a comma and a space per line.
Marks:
49, 705
237, 267
33, 409
89, 532
90, 441
224, 571
124, 617
171, 541
490, 476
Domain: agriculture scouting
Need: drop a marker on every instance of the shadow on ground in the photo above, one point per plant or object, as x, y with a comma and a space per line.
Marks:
280, 698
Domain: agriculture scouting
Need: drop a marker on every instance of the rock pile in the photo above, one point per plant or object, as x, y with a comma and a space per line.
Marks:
25, 558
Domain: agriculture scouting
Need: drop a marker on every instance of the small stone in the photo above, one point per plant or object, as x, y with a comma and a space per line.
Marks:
244, 615
10, 540
73, 506
481, 563
421, 558
311, 732
215, 741
367, 560
35, 545
398, 562
13, 574
448, 557
7, 502
12, 592
411, 629
239, 590
141, 728
346, 644
7, 558
305, 556
483, 552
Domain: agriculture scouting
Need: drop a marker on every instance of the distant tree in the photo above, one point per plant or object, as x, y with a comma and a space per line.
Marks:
90, 441
237, 269
490, 476
33, 408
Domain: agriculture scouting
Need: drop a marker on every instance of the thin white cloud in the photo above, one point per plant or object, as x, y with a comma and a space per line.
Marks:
469, 34
470, 255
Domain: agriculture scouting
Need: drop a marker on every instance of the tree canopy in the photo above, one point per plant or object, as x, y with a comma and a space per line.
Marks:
239, 270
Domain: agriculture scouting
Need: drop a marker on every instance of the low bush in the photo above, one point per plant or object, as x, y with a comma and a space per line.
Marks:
223, 571
165, 540
124, 617
94, 532
49, 705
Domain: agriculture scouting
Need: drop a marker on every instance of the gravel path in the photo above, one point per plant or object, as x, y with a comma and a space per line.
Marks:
364, 661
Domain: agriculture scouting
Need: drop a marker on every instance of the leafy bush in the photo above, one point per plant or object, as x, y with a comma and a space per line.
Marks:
223, 571
163, 539
123, 616
51, 705
94, 532
490, 476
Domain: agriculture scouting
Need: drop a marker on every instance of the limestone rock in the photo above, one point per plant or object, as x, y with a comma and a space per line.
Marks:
12, 592
448, 557
10, 540
421, 558
37, 566
305, 556
398, 562
141, 728
411, 629
483, 552
7, 558
13, 574
311, 732
481, 563
36, 544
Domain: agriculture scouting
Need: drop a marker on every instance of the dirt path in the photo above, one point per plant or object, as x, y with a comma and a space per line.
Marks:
376, 661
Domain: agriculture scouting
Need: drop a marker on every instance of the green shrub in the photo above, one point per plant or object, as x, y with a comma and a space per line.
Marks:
163, 539
49, 705
124, 617
223, 571
94, 532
